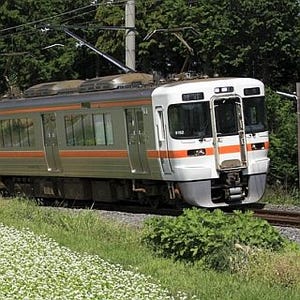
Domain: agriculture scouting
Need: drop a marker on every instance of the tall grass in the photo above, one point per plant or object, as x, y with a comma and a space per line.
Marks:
284, 196
87, 232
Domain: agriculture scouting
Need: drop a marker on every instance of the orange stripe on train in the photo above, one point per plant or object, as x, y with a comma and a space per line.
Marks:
122, 153
94, 153
209, 151
22, 154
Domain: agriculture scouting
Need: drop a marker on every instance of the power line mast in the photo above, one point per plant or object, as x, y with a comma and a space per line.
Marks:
298, 122
296, 97
130, 34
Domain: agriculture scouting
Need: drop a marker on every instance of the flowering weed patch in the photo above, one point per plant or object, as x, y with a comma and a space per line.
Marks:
35, 267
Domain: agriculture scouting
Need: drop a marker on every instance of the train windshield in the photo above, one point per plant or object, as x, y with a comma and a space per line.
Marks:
189, 121
254, 114
227, 114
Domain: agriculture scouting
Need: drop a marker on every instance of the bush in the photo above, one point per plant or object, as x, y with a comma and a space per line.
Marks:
282, 123
218, 240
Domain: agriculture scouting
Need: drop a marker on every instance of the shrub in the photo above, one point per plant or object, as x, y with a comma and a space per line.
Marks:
216, 239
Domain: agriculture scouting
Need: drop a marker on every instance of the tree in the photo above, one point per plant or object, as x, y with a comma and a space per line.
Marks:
257, 38
282, 122
35, 52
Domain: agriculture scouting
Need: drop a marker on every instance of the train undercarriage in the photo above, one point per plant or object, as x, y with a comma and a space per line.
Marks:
144, 192
231, 188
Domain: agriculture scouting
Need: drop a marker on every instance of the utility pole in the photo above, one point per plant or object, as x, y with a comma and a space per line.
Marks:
130, 34
297, 98
298, 120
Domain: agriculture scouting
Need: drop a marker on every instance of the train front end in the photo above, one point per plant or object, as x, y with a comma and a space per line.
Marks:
213, 140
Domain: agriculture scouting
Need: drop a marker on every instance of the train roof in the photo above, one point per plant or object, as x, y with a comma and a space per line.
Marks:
127, 87
129, 80
208, 84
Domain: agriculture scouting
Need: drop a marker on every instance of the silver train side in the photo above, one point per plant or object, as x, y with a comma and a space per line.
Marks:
201, 141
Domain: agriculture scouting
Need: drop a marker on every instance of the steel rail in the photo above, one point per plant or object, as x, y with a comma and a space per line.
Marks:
278, 217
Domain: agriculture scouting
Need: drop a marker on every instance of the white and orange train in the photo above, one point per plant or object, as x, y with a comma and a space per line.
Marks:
200, 141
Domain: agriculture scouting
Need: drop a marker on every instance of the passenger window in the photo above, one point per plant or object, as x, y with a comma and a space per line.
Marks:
88, 130
16, 133
99, 129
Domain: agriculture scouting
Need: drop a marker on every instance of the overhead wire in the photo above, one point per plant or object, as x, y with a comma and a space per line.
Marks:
20, 31
46, 19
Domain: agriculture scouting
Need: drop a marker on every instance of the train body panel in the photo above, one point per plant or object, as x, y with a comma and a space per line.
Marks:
200, 141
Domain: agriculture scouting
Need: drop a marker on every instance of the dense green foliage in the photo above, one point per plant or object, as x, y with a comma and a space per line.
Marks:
253, 38
250, 38
259, 38
209, 236
36, 25
282, 122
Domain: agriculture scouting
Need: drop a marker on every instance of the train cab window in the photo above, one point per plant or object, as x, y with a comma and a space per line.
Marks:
190, 121
254, 114
16, 133
226, 111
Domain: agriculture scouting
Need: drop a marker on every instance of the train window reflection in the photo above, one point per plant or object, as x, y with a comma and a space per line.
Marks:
16, 133
88, 130
99, 129
188, 121
108, 129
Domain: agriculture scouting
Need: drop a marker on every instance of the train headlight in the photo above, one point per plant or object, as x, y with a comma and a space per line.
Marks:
196, 152
258, 146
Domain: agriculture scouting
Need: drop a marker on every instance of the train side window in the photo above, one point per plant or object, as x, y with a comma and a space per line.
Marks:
26, 132
88, 130
108, 129
74, 130
6, 132
16, 133
69, 131
2, 133
99, 129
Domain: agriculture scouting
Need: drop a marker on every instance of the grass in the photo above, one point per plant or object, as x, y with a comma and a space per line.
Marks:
280, 195
85, 233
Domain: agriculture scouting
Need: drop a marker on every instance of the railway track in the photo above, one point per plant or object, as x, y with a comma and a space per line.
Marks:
280, 218
274, 217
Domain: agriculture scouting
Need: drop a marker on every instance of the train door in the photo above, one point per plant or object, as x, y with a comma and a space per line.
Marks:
229, 133
162, 141
136, 140
50, 142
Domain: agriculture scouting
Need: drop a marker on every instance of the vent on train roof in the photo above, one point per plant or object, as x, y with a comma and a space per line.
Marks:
129, 80
53, 88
